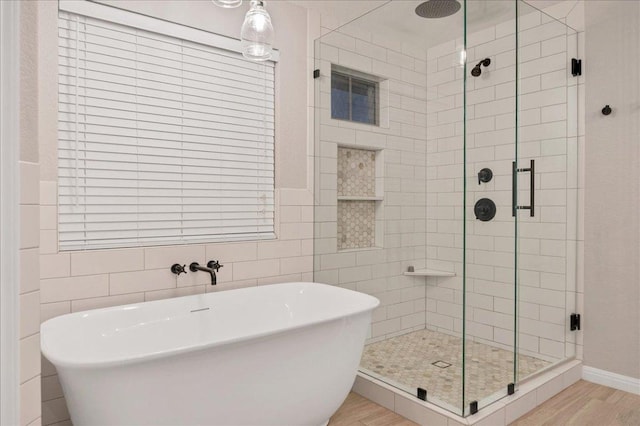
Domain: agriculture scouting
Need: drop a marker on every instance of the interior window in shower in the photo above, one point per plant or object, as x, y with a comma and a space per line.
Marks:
353, 98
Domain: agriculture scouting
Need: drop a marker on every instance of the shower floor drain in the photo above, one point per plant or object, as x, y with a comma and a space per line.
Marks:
441, 364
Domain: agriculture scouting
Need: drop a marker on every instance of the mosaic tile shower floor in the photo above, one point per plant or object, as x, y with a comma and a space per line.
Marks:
408, 359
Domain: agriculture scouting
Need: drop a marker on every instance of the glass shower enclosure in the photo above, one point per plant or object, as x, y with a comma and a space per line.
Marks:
445, 172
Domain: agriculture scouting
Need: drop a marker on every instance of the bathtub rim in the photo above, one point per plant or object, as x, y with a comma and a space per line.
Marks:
63, 362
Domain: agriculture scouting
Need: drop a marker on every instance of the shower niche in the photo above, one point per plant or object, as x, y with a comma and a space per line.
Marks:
469, 97
359, 194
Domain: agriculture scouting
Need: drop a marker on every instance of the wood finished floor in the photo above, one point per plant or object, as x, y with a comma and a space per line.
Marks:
583, 404
359, 411
586, 404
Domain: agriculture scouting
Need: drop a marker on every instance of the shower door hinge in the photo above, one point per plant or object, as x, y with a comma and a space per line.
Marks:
511, 388
473, 407
316, 73
422, 394
574, 322
576, 67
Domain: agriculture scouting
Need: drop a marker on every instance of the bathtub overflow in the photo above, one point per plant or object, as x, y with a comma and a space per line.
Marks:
200, 310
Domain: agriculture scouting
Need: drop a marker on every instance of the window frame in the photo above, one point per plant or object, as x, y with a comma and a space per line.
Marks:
352, 75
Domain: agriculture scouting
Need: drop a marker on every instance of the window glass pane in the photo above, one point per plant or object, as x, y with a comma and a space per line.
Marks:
363, 101
339, 96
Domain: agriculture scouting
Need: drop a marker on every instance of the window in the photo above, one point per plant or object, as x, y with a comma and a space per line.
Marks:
162, 139
353, 98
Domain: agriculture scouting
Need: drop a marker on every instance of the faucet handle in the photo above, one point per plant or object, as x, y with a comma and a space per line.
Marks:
214, 264
178, 269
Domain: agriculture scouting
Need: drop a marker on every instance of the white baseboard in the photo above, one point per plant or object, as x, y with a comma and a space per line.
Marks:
613, 380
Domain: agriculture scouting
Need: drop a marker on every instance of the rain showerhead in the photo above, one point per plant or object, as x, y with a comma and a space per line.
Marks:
476, 71
437, 8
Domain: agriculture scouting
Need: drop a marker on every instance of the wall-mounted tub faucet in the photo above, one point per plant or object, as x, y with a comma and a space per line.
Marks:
212, 267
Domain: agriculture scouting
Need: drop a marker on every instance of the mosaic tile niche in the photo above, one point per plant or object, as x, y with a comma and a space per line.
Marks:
356, 180
356, 224
356, 172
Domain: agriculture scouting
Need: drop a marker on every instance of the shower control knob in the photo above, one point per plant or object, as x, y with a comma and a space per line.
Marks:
485, 209
485, 175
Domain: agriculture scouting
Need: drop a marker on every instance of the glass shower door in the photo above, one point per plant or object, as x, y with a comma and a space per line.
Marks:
547, 181
490, 225
521, 186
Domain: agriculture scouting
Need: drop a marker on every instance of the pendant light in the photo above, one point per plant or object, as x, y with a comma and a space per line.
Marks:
257, 33
227, 4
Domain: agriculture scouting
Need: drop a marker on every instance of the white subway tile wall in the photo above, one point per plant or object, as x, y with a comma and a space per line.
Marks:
547, 241
29, 295
400, 217
424, 184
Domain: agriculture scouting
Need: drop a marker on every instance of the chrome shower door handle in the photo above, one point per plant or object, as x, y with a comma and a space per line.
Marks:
532, 192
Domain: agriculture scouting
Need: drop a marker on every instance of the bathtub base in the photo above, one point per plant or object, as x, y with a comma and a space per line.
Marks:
284, 354
237, 384
529, 395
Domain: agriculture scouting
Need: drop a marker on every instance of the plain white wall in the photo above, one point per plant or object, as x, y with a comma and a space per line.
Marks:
290, 23
612, 199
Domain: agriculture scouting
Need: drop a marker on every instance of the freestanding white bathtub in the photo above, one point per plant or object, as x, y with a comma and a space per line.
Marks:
284, 354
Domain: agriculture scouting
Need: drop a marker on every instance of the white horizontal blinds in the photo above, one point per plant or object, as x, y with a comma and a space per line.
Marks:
161, 140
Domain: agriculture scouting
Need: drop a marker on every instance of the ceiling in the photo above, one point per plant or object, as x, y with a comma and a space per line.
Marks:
397, 18
342, 11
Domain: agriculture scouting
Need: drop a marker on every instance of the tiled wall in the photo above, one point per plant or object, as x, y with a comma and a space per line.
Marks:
76, 281
550, 243
29, 219
547, 133
29, 295
399, 141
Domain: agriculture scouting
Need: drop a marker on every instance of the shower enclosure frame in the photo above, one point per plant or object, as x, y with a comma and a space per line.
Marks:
520, 194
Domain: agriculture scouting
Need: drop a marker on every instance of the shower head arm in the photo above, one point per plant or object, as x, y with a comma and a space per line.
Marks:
476, 71
485, 62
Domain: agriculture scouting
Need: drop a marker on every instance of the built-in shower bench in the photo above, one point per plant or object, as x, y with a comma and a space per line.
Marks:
430, 273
